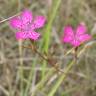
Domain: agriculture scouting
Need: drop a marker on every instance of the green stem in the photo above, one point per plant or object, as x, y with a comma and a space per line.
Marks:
21, 68
62, 78
46, 38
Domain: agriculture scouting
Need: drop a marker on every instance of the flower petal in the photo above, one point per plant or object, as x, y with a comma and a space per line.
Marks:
68, 34
67, 39
34, 35
16, 23
68, 30
83, 38
38, 22
26, 16
81, 29
21, 35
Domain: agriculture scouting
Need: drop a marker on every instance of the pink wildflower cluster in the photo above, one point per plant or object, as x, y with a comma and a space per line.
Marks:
27, 29
27, 26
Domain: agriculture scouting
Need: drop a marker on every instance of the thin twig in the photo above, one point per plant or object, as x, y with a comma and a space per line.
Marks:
9, 18
43, 57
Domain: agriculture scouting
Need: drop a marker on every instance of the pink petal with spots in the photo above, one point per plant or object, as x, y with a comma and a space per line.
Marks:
34, 35
68, 30
38, 22
16, 23
27, 35
26, 16
68, 34
80, 39
21, 35
81, 29
83, 38
67, 39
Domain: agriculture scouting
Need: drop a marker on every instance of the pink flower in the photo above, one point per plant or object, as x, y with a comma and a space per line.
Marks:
76, 37
27, 26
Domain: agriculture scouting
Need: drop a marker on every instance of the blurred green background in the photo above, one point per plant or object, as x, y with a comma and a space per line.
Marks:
24, 73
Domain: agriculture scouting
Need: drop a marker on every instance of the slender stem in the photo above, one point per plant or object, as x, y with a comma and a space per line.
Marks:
45, 58
9, 18
21, 69
62, 78
75, 55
